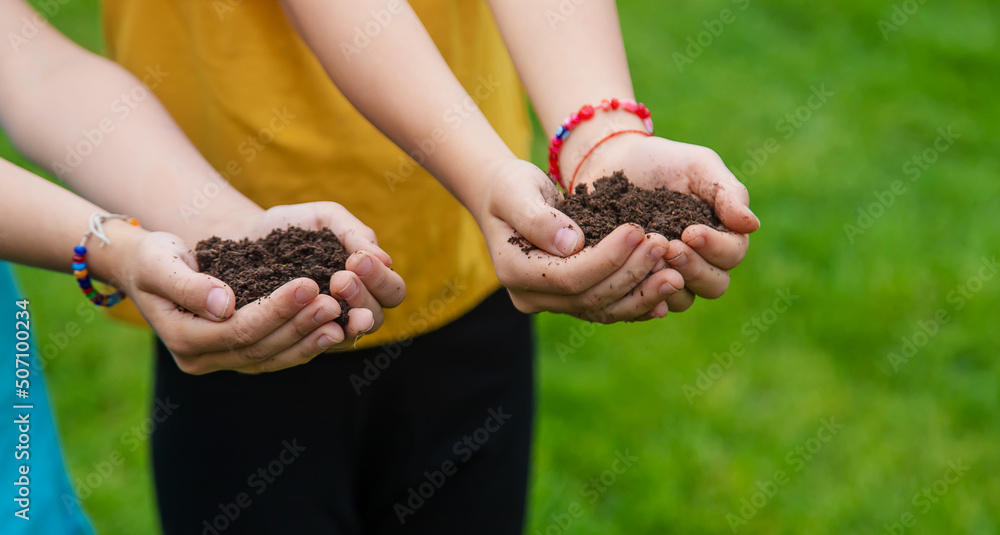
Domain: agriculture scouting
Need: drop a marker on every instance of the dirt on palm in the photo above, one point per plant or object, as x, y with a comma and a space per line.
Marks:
615, 201
255, 269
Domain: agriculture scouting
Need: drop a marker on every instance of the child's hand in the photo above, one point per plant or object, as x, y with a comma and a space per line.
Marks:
368, 284
159, 273
703, 255
604, 283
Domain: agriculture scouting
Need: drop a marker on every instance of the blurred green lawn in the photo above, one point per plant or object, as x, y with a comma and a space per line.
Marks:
709, 432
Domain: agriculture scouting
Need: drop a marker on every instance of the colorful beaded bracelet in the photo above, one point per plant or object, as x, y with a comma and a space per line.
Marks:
586, 113
80, 271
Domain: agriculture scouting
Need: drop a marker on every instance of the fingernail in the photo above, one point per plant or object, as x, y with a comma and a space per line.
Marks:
697, 242
217, 303
656, 252
661, 310
324, 315
304, 294
634, 238
566, 240
667, 289
678, 261
370, 327
348, 292
325, 342
364, 267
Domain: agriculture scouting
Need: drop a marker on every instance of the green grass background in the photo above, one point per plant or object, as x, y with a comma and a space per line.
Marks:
618, 388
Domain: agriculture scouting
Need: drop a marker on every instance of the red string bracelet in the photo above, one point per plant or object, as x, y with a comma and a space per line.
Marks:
572, 179
586, 113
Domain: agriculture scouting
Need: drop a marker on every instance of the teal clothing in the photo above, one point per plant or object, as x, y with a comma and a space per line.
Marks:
47, 500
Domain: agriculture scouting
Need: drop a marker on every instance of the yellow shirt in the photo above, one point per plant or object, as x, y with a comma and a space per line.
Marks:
255, 101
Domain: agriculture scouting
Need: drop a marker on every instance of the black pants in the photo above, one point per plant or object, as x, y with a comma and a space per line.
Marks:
428, 438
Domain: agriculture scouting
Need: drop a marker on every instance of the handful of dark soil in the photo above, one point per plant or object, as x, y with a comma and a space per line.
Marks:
615, 201
255, 269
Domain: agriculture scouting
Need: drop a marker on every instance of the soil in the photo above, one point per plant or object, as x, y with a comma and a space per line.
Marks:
615, 201
255, 269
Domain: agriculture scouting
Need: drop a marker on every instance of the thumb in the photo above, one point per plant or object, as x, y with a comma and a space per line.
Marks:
172, 275
730, 198
734, 212
539, 223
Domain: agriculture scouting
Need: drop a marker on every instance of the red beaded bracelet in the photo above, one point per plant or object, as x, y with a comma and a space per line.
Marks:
586, 113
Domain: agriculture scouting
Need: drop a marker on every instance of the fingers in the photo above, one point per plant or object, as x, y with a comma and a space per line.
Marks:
659, 311
636, 270
354, 234
722, 249
521, 205
309, 333
718, 186
681, 301
605, 292
357, 319
322, 339
646, 300
366, 314
660, 265
187, 336
702, 278
384, 284
732, 207
576, 274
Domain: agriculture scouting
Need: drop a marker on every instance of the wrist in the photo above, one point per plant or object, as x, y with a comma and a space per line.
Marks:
607, 155
588, 134
111, 263
580, 134
494, 175
471, 176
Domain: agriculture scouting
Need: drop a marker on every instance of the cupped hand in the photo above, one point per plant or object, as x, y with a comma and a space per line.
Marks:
622, 278
703, 255
368, 284
290, 327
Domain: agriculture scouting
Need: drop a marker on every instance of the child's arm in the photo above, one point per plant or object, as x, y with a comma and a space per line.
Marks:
401, 83
568, 60
54, 95
42, 223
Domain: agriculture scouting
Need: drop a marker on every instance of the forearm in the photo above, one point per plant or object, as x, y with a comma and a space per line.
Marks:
403, 86
103, 132
566, 61
42, 223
